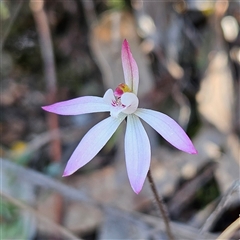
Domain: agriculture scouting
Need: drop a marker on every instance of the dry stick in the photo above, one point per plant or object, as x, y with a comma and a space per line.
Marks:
161, 205
188, 191
219, 209
46, 47
229, 231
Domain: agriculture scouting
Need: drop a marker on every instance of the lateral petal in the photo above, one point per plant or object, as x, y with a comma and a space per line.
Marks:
130, 68
168, 129
92, 143
81, 105
137, 152
108, 97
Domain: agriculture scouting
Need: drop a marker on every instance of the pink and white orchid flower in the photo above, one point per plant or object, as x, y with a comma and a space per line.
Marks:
122, 103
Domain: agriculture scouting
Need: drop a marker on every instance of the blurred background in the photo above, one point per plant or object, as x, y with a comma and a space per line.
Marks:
188, 54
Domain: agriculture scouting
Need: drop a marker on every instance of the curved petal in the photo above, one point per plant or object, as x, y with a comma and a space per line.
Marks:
130, 68
127, 104
130, 100
92, 143
108, 97
116, 110
79, 105
168, 129
137, 152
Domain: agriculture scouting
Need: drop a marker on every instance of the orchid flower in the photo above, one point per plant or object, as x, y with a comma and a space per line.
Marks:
122, 104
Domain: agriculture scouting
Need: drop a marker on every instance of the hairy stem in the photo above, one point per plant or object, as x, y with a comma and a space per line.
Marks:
160, 205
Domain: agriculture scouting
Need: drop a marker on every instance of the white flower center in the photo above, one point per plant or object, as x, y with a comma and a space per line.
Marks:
125, 102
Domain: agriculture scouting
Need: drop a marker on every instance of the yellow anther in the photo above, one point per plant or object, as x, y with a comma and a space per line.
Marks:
121, 88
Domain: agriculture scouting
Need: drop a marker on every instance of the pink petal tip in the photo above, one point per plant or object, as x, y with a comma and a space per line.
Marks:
194, 151
130, 68
137, 191
66, 174
44, 108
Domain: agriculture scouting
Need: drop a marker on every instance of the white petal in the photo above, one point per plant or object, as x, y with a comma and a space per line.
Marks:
168, 129
130, 68
76, 106
92, 143
116, 110
108, 97
130, 100
128, 103
137, 152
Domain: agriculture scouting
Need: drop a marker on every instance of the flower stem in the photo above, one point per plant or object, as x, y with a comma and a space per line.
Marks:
162, 207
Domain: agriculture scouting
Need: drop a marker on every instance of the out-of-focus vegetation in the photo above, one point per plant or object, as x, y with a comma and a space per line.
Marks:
188, 53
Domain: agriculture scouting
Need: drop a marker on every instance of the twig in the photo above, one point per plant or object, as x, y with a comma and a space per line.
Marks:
41, 21
65, 232
49, 68
185, 195
90, 13
220, 208
161, 205
43, 30
201, 216
229, 231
